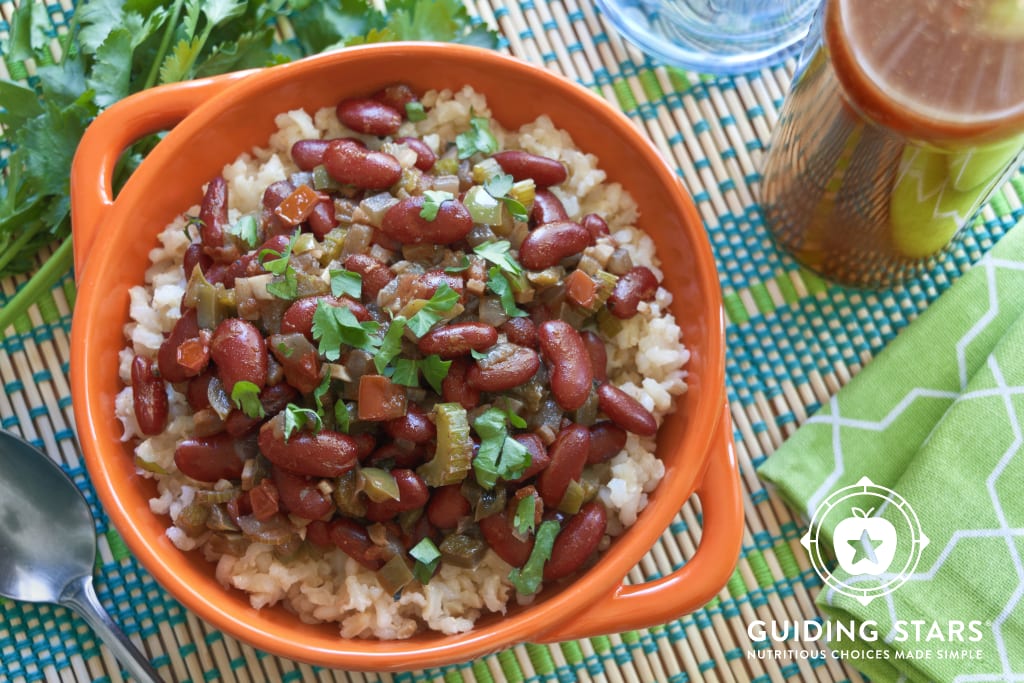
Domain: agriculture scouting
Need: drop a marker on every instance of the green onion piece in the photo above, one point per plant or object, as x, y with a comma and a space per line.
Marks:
427, 558
454, 454
528, 579
463, 551
394, 575
378, 484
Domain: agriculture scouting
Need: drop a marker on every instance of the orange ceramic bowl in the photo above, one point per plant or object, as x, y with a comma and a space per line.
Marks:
214, 120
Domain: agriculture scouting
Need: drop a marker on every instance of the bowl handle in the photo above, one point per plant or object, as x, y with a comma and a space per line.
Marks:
695, 583
111, 133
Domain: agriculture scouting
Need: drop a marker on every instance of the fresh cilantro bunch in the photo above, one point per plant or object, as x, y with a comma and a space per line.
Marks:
114, 48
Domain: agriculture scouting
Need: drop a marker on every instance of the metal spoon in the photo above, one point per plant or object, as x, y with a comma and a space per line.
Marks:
48, 545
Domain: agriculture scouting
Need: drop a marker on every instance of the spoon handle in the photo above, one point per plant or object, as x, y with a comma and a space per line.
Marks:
80, 596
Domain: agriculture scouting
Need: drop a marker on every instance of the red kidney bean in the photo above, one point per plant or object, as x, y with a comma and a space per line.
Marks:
595, 225
404, 223
520, 331
447, 507
456, 389
425, 285
414, 426
365, 445
300, 495
576, 542
568, 362
499, 535
186, 328
392, 454
210, 458
308, 154
350, 164
425, 157
354, 541
298, 317
568, 457
275, 193
324, 454
598, 354
240, 353
412, 494
149, 396
375, 274
213, 216
197, 392
539, 458
522, 165
249, 264
365, 115
274, 399
625, 411
396, 96
548, 244
194, 256
506, 372
606, 441
322, 219
638, 284
547, 208
458, 339
317, 533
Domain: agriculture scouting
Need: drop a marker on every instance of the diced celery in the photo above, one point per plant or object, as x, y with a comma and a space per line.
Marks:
378, 484
454, 454
485, 170
482, 206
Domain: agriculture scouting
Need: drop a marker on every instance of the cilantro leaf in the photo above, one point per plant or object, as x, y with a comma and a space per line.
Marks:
285, 286
435, 370
499, 184
279, 263
343, 416
500, 456
432, 201
336, 326
528, 579
246, 229
461, 266
443, 300
478, 138
414, 111
345, 282
297, 419
427, 558
497, 252
246, 397
499, 284
318, 393
526, 513
391, 346
406, 373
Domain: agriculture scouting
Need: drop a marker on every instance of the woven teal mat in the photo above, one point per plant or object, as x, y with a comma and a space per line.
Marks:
793, 340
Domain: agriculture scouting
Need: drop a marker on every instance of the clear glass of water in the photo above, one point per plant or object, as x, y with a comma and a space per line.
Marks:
713, 36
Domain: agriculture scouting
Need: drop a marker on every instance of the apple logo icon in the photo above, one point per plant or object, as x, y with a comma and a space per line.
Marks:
864, 544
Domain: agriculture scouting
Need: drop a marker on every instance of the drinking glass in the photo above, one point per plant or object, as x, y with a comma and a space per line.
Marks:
713, 36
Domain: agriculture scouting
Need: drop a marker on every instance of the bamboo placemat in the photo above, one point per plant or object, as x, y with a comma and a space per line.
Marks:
793, 340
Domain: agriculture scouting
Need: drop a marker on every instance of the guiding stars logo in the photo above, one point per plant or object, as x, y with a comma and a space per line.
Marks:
875, 555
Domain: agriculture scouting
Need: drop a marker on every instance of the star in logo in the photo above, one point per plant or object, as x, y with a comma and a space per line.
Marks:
864, 547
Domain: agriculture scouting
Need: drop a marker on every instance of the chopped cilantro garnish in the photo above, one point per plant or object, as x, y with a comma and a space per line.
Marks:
247, 230
391, 346
435, 370
414, 111
427, 558
318, 393
499, 284
497, 252
297, 419
498, 186
527, 580
432, 201
346, 282
500, 456
335, 326
343, 416
285, 286
246, 397
441, 302
526, 513
406, 373
478, 138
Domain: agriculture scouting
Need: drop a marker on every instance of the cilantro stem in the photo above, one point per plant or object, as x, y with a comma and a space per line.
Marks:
45, 278
14, 248
165, 43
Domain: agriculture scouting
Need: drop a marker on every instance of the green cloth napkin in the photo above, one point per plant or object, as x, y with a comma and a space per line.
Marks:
937, 417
